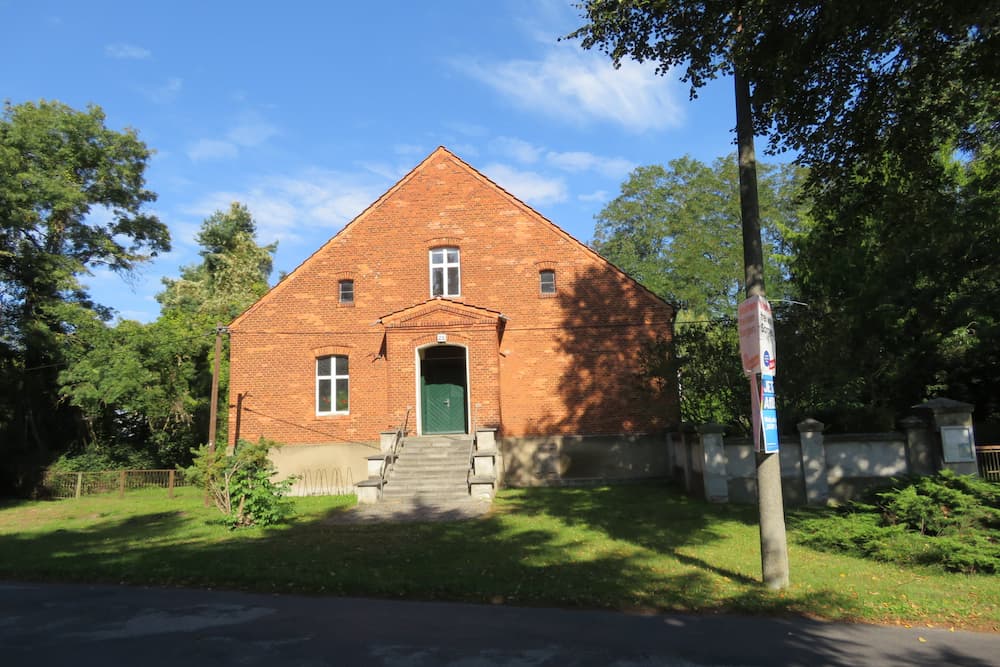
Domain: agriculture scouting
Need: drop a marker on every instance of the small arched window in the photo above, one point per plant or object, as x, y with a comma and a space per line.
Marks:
547, 281
346, 292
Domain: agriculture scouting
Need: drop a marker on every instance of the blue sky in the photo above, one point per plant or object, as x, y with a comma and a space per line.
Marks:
308, 111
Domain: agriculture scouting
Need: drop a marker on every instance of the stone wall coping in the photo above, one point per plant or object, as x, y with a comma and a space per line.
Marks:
810, 425
912, 422
369, 482
486, 451
888, 436
945, 406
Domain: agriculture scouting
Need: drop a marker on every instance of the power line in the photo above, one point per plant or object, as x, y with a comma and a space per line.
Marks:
153, 344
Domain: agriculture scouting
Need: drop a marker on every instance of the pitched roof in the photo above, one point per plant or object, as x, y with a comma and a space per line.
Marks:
438, 152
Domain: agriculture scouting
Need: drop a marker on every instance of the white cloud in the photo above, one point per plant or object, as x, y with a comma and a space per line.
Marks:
598, 196
576, 161
579, 86
164, 93
516, 149
409, 149
288, 209
387, 171
527, 186
212, 149
127, 51
251, 131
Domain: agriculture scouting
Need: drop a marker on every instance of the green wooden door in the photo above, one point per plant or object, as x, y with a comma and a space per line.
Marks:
442, 397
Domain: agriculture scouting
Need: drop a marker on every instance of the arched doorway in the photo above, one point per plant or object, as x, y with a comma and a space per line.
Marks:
444, 389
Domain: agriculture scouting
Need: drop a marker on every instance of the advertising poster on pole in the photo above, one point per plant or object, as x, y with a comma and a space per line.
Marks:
756, 326
757, 336
768, 415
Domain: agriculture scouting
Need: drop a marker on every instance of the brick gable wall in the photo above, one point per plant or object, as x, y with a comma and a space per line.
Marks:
560, 364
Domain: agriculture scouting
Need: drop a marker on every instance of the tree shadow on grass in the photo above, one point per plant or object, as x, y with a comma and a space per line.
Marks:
537, 548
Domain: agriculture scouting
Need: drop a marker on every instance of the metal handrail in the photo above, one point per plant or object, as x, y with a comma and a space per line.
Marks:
394, 453
472, 459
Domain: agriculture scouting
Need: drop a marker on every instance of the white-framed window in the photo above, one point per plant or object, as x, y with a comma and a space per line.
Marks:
547, 281
346, 291
332, 385
446, 275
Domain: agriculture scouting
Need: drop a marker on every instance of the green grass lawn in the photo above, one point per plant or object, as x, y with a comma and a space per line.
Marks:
627, 547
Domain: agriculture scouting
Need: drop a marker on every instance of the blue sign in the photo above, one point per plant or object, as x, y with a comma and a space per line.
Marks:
768, 415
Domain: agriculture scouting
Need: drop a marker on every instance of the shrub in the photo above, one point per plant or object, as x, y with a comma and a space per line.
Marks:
240, 485
96, 458
947, 520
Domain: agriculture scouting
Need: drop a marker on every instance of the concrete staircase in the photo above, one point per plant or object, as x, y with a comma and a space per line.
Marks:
430, 470
428, 481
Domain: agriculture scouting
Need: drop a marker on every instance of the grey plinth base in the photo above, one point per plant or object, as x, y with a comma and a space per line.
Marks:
377, 464
481, 486
369, 491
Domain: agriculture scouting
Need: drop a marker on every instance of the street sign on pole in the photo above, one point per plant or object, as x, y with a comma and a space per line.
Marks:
757, 336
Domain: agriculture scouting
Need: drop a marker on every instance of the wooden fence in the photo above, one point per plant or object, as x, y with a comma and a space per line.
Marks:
78, 484
988, 458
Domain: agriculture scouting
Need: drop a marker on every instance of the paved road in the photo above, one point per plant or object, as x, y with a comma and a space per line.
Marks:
43, 624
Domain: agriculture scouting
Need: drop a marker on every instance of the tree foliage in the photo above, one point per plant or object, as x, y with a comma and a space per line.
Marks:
893, 110
147, 388
900, 273
72, 197
840, 83
676, 229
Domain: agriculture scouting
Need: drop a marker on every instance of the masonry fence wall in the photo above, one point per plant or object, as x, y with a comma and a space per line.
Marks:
815, 467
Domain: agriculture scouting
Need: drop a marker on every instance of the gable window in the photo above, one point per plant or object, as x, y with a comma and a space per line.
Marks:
346, 291
445, 272
332, 386
547, 281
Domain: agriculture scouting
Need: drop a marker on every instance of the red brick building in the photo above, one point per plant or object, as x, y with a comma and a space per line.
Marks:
452, 302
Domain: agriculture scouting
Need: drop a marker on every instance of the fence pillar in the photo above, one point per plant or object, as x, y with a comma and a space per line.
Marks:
170, 484
79, 485
919, 446
686, 435
956, 441
813, 461
714, 462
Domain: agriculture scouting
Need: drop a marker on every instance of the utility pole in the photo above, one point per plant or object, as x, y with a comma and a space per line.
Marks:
773, 543
213, 410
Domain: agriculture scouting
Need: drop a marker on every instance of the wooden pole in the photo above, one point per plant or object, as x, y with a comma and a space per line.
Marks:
773, 542
213, 412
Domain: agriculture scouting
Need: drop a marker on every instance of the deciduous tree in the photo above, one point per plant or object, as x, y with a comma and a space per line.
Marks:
72, 198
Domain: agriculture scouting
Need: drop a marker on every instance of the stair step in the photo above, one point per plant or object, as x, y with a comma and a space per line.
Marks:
430, 470
427, 486
429, 474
